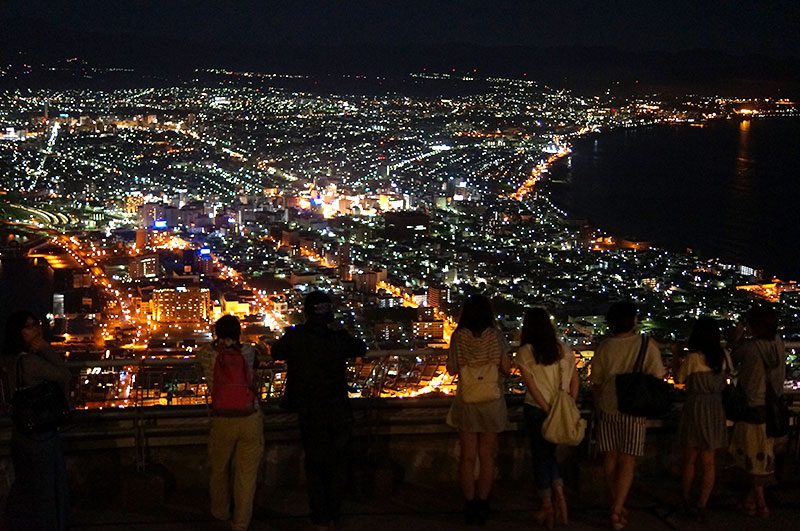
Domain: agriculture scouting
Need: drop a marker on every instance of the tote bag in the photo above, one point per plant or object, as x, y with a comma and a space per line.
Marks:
640, 394
563, 424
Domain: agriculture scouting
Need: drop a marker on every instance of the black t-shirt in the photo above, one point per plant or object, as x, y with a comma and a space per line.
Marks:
316, 362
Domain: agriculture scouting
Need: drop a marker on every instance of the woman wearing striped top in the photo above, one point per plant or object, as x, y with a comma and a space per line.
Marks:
477, 347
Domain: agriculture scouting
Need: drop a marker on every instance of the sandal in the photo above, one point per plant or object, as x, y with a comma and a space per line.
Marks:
618, 521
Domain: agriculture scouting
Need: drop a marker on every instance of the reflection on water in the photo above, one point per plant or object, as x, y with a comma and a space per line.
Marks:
728, 190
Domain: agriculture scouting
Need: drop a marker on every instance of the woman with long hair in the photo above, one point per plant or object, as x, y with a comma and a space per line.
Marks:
478, 354
761, 362
702, 427
547, 366
39, 497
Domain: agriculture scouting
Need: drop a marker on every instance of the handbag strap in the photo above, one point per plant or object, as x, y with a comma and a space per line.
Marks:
560, 386
639, 365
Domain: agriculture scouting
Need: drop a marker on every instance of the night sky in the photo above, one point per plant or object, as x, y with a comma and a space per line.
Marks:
733, 26
658, 41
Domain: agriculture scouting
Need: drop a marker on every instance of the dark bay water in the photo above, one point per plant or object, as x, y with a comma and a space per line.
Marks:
729, 189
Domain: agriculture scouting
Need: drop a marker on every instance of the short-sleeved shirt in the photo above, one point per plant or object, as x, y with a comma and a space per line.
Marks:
546, 376
694, 362
617, 355
752, 355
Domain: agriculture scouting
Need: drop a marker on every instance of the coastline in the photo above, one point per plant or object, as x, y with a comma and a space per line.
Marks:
558, 190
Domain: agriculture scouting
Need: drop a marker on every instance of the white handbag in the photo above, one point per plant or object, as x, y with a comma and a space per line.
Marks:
563, 424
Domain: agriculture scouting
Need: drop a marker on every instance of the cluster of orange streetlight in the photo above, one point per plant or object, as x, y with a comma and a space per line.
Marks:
536, 174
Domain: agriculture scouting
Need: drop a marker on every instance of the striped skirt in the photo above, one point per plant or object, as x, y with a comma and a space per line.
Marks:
621, 433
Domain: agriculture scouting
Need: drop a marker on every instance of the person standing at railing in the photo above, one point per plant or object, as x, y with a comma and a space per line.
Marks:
547, 366
760, 361
703, 429
39, 497
236, 440
478, 354
316, 389
620, 437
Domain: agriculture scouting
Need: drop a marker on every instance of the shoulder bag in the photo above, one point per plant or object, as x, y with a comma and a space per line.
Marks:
734, 400
640, 394
38, 408
563, 424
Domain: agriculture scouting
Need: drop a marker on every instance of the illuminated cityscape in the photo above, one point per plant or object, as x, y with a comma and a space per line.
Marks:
164, 165
159, 210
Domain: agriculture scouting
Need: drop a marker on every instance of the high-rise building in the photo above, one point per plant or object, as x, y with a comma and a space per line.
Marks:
189, 304
437, 295
144, 266
142, 239
149, 214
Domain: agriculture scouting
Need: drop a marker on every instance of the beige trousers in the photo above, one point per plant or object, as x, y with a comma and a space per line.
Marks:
235, 447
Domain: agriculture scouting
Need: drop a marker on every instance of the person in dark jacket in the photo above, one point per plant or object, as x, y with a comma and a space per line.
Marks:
316, 389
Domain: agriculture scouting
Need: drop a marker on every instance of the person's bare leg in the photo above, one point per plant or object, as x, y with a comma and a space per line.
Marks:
626, 465
467, 456
487, 447
708, 462
761, 502
610, 470
560, 501
688, 473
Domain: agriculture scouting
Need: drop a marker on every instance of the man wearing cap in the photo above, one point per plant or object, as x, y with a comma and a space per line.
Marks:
316, 389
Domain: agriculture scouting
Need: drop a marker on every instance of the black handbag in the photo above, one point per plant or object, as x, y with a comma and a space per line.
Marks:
38, 408
735, 403
640, 394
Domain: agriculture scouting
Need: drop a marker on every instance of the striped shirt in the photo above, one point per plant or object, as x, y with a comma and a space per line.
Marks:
466, 349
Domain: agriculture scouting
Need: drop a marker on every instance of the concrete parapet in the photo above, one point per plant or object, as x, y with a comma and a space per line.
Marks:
139, 458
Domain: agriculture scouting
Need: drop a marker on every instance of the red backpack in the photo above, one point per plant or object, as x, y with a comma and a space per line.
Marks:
233, 394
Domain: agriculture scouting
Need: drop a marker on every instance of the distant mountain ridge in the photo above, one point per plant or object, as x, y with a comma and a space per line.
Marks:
566, 65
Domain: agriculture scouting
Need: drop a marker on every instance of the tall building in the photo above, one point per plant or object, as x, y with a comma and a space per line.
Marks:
142, 239
437, 295
144, 266
190, 304
149, 214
